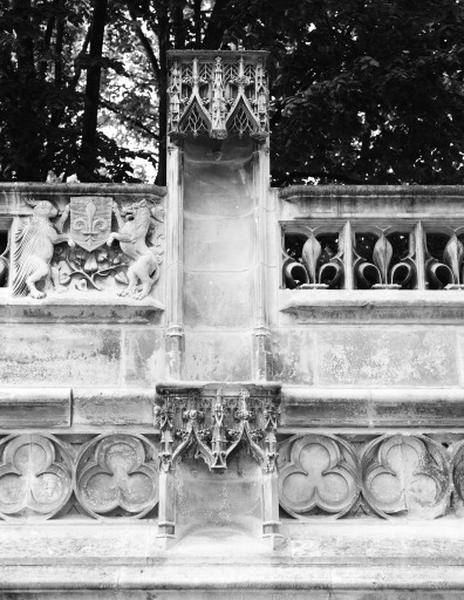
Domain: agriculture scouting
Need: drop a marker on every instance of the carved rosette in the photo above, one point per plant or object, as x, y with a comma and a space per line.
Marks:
405, 474
117, 475
214, 421
218, 93
35, 476
317, 473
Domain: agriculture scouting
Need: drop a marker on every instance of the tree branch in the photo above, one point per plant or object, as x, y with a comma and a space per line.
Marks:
218, 23
146, 45
129, 118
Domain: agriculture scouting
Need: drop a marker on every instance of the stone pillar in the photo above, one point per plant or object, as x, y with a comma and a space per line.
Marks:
218, 138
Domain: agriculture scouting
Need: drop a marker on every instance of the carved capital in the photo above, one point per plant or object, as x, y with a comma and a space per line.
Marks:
214, 420
218, 93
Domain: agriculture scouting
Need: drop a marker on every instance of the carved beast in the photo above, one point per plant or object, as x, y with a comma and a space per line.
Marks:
143, 272
33, 248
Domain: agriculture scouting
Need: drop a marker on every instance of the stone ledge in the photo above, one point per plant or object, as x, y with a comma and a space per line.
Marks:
343, 556
430, 203
35, 407
412, 306
88, 307
305, 408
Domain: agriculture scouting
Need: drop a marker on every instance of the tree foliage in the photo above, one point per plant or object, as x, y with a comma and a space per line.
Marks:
363, 91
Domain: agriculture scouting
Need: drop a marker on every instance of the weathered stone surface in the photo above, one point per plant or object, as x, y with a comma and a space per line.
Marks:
336, 407
293, 356
218, 243
218, 299
142, 356
219, 355
34, 407
59, 354
233, 502
113, 406
386, 356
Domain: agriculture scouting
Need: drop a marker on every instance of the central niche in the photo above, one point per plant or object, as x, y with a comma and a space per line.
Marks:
218, 504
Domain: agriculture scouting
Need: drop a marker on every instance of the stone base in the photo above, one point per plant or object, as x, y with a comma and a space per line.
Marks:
358, 559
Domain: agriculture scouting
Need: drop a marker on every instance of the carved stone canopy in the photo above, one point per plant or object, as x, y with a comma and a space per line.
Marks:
218, 93
214, 419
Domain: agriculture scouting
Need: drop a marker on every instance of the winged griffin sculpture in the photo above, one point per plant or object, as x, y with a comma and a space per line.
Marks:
33, 248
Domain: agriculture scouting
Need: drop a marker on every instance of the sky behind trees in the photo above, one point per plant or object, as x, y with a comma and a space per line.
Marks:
362, 91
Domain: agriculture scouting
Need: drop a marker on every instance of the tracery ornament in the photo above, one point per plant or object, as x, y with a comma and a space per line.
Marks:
444, 266
214, 423
117, 475
35, 476
405, 474
218, 93
317, 473
313, 259
384, 260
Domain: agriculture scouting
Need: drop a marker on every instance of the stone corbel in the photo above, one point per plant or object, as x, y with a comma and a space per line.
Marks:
213, 421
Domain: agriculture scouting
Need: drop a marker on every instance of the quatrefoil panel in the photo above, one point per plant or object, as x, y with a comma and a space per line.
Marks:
35, 476
317, 472
117, 475
406, 475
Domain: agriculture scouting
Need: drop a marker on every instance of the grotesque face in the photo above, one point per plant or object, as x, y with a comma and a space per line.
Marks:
44, 208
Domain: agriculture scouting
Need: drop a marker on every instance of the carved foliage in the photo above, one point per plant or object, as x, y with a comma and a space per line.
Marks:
113, 247
117, 475
35, 476
317, 472
214, 422
218, 94
406, 474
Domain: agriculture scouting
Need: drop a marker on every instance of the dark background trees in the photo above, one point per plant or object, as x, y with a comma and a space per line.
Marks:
363, 91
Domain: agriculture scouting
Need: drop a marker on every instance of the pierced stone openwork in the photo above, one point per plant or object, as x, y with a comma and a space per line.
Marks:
370, 255
384, 259
444, 258
218, 94
313, 259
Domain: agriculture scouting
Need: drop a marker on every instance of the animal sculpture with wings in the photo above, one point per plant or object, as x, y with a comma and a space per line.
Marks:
33, 248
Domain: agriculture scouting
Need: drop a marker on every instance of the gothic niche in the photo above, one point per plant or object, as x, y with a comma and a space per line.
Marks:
94, 244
